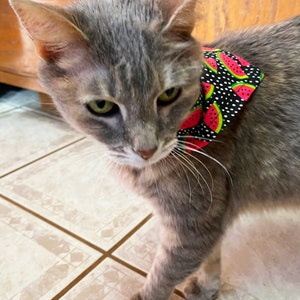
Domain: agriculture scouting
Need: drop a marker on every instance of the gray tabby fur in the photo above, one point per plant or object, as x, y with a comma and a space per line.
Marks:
130, 52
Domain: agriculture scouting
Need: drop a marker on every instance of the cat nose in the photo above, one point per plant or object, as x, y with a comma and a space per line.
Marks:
146, 154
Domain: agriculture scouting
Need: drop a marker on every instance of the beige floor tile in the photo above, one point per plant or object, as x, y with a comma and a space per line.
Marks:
73, 189
25, 136
36, 260
109, 281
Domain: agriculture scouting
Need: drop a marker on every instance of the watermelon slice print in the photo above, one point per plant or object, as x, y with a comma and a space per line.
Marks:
193, 118
232, 66
211, 63
243, 90
208, 89
213, 118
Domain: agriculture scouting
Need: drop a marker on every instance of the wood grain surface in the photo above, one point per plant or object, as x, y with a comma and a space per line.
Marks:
218, 17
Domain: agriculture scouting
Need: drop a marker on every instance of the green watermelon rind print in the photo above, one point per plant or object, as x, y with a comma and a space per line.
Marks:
208, 89
208, 118
238, 72
237, 87
209, 65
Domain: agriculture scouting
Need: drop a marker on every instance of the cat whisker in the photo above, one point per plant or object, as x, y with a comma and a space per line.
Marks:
185, 146
190, 165
203, 164
116, 155
198, 175
183, 166
154, 176
171, 144
199, 138
115, 167
86, 163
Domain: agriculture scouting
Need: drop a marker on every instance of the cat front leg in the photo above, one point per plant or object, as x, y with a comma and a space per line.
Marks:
178, 257
205, 283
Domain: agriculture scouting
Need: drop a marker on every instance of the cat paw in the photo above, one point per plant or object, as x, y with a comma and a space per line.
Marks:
195, 291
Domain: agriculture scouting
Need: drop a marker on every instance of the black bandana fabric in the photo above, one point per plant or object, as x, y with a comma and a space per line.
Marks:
227, 83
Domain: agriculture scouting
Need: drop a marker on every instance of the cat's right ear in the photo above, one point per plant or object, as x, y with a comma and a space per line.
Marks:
50, 28
179, 15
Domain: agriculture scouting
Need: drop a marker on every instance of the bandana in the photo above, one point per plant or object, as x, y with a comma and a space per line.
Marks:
227, 83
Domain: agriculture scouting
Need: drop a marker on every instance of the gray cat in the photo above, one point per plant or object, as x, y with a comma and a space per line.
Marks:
128, 74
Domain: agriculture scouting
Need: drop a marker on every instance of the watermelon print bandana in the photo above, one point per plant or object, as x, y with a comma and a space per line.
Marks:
227, 81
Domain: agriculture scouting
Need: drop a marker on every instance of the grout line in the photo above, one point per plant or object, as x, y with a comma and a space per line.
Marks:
106, 254
74, 282
129, 234
122, 262
53, 224
81, 276
127, 265
41, 157
78, 278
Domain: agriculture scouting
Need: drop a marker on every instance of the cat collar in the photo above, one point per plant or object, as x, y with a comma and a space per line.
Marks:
227, 83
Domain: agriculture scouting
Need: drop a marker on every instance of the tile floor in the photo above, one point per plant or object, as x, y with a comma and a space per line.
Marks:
67, 231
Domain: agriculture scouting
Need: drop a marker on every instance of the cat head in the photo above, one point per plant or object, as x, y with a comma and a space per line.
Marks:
124, 72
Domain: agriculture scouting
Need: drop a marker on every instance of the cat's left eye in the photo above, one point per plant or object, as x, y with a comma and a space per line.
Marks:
168, 96
102, 108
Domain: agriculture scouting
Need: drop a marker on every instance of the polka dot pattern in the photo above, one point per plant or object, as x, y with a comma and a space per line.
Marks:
227, 83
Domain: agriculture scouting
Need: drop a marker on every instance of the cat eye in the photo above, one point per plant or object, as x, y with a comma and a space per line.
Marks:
168, 96
102, 108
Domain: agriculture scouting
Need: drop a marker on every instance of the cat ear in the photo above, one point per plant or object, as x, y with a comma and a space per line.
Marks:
180, 15
50, 27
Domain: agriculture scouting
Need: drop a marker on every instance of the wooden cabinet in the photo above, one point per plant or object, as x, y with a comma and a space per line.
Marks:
218, 17
18, 59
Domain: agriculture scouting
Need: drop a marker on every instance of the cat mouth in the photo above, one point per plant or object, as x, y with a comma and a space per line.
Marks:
136, 160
